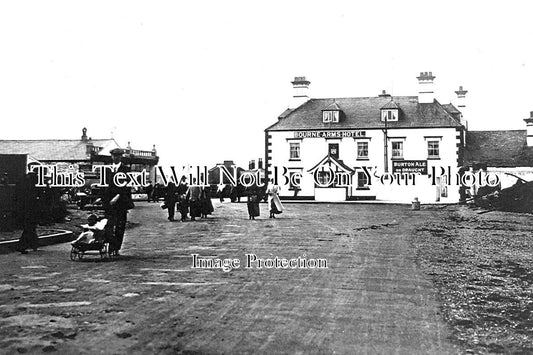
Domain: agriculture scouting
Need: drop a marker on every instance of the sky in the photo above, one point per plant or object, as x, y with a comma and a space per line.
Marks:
203, 79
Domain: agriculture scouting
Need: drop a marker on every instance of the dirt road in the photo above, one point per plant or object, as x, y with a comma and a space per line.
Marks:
371, 298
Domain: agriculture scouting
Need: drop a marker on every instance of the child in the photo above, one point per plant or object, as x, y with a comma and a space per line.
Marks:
91, 231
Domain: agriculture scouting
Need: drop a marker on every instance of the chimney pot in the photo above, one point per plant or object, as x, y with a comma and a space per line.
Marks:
300, 92
531, 114
425, 88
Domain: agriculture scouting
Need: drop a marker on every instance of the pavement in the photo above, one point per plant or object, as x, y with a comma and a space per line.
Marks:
371, 299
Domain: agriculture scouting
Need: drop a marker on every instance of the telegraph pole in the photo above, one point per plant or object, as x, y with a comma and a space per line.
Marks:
386, 146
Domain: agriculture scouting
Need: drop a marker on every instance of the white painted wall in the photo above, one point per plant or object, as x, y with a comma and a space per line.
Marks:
312, 150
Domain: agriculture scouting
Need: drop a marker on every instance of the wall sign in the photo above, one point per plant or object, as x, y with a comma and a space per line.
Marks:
329, 134
410, 166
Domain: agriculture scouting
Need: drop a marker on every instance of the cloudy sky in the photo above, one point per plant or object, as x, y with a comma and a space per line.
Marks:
203, 79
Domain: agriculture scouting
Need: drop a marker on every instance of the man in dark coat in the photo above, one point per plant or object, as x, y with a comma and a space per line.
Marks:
170, 200
183, 204
149, 191
117, 201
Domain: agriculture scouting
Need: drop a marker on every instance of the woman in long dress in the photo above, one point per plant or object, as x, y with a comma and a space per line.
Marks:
253, 202
205, 201
274, 202
27, 198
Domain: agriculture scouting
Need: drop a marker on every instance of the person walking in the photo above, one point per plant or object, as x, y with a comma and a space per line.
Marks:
170, 200
220, 191
149, 191
193, 196
253, 202
183, 204
274, 202
117, 201
28, 206
205, 201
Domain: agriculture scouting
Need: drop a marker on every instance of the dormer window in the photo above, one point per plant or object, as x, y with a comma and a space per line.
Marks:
390, 112
330, 116
332, 113
389, 115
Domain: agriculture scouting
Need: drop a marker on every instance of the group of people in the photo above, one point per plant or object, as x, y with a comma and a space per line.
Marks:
194, 200
256, 194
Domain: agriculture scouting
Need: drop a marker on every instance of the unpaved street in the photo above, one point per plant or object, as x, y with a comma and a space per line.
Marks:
372, 298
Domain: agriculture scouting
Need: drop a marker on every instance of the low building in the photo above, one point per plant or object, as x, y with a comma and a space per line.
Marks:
82, 154
229, 172
390, 148
506, 153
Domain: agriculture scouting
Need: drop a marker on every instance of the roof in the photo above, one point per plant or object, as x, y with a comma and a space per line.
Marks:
332, 107
498, 148
331, 160
390, 105
451, 109
286, 113
364, 113
56, 149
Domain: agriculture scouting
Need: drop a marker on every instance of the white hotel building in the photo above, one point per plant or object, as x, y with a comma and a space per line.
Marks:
367, 148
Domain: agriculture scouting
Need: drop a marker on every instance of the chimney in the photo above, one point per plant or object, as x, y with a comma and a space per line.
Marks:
529, 128
89, 146
384, 94
84, 134
461, 105
260, 163
425, 88
300, 92
251, 165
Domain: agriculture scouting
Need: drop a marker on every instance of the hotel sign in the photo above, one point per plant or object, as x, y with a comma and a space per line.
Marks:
329, 134
410, 167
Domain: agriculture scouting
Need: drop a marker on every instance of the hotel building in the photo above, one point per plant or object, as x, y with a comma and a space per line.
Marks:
389, 148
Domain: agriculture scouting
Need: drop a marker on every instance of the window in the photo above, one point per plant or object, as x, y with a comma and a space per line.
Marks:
433, 149
330, 116
362, 150
323, 178
362, 181
294, 180
295, 151
389, 115
397, 150
334, 150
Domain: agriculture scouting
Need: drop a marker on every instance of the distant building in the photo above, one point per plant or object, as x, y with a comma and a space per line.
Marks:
231, 170
83, 153
255, 174
508, 153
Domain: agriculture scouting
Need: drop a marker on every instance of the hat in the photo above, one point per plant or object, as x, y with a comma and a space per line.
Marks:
116, 151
